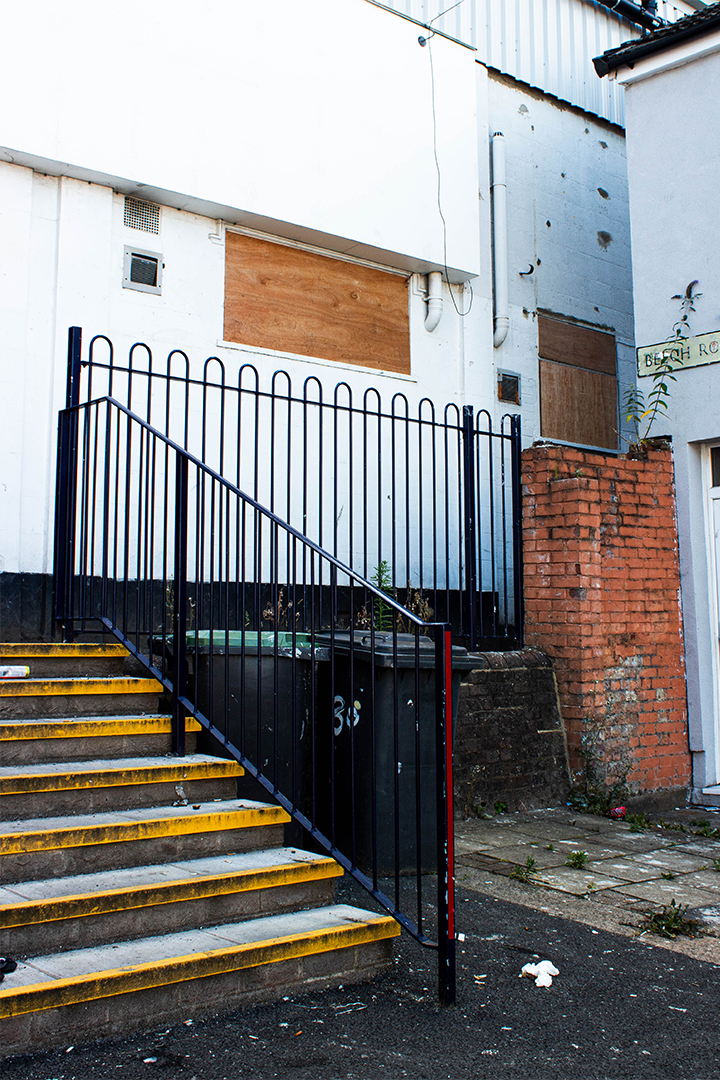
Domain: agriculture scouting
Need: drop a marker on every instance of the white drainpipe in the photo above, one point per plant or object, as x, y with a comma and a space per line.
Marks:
500, 255
434, 301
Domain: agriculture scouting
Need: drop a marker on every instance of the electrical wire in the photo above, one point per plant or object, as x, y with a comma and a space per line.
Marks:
459, 2
462, 314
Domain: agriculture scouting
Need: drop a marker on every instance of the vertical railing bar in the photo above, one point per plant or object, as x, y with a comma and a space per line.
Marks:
180, 606
469, 530
445, 825
517, 510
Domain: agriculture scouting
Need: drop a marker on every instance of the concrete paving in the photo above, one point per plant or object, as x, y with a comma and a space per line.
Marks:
630, 868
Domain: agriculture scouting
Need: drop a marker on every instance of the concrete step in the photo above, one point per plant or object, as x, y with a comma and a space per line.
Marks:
55, 788
49, 847
43, 739
101, 991
91, 909
26, 698
65, 660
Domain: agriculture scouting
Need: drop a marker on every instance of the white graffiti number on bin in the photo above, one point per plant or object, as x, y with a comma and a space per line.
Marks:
345, 714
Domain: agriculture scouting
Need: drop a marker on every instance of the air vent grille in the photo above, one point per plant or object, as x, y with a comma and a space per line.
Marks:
142, 215
143, 270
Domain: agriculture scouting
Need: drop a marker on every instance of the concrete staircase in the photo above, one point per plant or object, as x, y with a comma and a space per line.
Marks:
136, 886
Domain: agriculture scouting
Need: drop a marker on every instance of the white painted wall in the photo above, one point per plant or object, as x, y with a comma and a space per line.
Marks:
557, 158
673, 162
312, 120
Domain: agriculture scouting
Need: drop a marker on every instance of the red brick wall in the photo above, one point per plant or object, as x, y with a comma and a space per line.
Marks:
602, 599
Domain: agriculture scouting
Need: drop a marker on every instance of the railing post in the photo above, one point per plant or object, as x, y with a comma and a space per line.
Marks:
180, 606
74, 367
517, 531
445, 814
468, 482
66, 487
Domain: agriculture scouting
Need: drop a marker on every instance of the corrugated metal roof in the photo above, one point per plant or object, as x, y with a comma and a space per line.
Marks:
549, 44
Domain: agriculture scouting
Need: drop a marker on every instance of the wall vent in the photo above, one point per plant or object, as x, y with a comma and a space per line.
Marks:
508, 387
142, 215
142, 270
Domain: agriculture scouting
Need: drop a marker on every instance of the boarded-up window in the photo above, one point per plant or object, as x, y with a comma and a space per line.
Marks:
578, 384
296, 301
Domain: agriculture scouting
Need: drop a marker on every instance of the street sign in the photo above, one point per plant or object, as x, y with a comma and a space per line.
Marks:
679, 353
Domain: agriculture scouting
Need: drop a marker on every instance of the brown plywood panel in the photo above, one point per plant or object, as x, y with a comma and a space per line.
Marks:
579, 346
296, 301
578, 406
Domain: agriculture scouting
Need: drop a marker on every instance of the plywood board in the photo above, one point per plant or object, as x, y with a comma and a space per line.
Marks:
292, 300
578, 406
568, 343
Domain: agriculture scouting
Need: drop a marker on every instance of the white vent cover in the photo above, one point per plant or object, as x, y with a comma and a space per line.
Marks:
142, 215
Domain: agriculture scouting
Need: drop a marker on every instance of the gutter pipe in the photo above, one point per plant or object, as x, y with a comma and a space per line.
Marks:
642, 16
501, 321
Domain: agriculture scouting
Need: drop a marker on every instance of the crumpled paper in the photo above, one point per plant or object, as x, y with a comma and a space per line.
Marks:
542, 972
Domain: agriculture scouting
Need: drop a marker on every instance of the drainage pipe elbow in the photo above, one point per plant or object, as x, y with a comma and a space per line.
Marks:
434, 301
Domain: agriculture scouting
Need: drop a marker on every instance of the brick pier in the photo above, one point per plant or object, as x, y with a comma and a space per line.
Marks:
602, 588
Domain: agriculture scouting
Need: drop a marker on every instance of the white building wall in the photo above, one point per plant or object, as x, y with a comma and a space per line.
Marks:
557, 159
311, 121
673, 162
316, 129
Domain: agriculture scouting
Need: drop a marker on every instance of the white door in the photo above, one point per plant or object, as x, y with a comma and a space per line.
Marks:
715, 605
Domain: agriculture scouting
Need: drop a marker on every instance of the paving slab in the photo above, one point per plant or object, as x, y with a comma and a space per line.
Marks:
675, 862
498, 838
519, 854
577, 882
629, 869
663, 892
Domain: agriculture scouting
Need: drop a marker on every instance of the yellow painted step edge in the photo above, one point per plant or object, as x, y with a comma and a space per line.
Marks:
82, 905
82, 649
53, 687
173, 772
83, 988
149, 829
15, 731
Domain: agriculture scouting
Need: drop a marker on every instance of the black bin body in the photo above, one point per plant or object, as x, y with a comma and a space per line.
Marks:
258, 675
376, 752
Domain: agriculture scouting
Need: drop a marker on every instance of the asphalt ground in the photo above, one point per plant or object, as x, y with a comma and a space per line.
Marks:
621, 1007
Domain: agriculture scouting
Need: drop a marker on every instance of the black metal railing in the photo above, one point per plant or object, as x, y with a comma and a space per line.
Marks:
423, 499
335, 698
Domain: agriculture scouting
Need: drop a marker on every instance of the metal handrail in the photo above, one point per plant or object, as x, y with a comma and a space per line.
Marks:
123, 518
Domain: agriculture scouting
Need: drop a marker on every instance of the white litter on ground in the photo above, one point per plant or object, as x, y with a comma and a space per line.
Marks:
542, 972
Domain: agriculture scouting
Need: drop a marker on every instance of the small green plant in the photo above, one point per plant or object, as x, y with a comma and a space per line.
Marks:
642, 410
577, 859
522, 873
716, 865
500, 807
671, 922
549, 847
383, 612
592, 794
638, 822
668, 876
